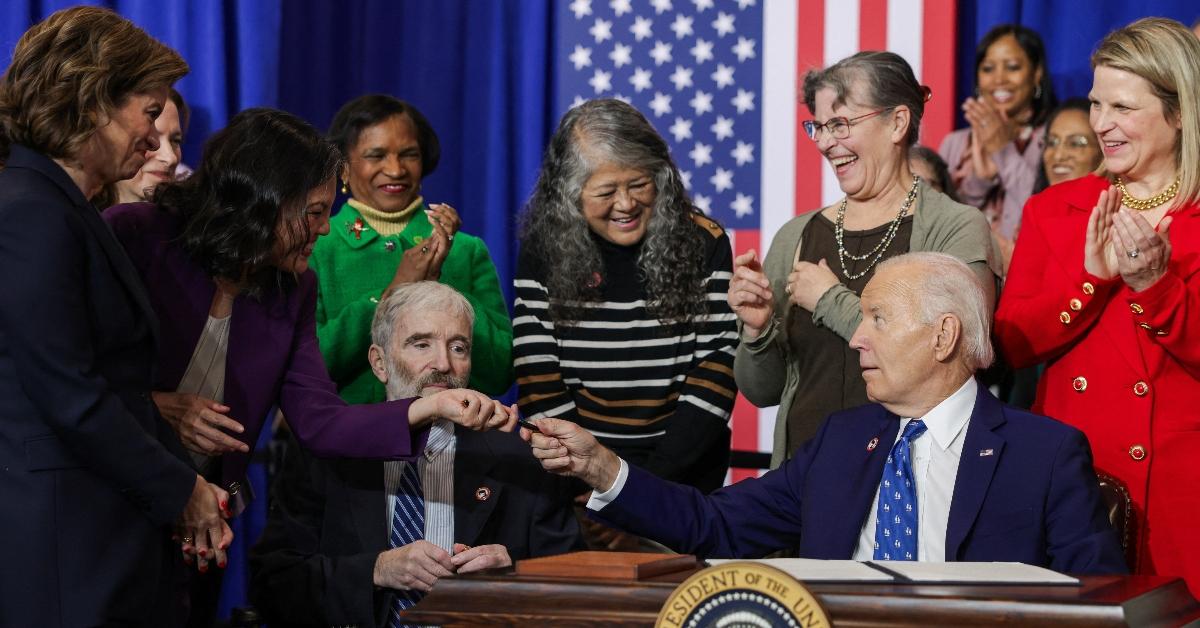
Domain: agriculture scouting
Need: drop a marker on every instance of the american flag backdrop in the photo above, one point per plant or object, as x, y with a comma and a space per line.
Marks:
720, 81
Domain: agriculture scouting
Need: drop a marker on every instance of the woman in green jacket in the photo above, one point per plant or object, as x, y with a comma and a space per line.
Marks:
386, 235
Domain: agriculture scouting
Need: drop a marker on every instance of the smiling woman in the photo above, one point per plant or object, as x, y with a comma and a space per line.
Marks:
386, 236
619, 318
993, 162
1105, 288
798, 307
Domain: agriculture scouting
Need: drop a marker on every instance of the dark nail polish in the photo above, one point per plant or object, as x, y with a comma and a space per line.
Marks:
203, 568
203, 553
221, 565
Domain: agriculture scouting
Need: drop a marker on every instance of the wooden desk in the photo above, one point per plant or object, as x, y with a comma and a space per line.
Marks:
502, 598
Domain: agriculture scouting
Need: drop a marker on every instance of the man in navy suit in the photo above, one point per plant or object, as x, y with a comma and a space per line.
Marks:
992, 483
331, 552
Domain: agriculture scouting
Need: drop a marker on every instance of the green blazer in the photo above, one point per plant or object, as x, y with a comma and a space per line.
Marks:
766, 371
353, 271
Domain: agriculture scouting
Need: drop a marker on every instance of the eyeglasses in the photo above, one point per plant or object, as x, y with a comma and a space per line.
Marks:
838, 127
1070, 142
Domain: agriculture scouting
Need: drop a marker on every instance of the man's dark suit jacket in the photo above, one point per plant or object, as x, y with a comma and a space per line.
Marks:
1026, 491
87, 482
314, 564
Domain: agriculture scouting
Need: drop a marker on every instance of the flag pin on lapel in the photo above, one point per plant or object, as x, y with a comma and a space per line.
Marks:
483, 493
985, 452
871, 445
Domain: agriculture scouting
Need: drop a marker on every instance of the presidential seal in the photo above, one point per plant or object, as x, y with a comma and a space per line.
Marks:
741, 595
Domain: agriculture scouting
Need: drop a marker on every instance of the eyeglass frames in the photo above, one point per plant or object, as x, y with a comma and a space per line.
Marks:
838, 127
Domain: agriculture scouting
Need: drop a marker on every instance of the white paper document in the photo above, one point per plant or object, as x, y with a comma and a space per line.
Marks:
813, 570
974, 573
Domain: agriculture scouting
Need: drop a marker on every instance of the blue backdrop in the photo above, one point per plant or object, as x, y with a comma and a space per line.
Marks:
480, 71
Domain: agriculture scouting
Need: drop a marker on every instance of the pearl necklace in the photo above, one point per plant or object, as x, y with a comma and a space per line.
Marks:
880, 248
1142, 205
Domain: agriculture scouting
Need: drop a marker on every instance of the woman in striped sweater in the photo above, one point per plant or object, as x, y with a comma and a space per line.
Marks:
620, 321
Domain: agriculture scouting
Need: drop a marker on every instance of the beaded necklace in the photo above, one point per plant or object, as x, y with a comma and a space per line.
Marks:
880, 248
1144, 204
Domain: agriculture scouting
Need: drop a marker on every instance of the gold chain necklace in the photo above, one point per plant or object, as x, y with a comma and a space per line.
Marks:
880, 248
1141, 204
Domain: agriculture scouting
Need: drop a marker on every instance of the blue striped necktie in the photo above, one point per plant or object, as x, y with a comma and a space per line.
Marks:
896, 513
408, 526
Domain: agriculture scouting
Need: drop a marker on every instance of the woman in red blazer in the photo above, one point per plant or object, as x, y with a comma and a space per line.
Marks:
1104, 288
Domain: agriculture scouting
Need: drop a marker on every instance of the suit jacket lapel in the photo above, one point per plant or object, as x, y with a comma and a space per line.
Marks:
475, 493
981, 452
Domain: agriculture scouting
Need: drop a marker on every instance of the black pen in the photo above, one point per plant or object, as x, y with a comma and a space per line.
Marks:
529, 426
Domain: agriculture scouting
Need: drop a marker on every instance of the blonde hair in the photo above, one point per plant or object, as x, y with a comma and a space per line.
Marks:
1167, 55
71, 71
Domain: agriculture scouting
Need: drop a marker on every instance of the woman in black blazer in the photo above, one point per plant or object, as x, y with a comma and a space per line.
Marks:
91, 481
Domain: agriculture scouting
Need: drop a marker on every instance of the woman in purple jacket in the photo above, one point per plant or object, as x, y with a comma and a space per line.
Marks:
224, 257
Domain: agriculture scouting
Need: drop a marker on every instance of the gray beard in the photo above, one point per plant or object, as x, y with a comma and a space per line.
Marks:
402, 384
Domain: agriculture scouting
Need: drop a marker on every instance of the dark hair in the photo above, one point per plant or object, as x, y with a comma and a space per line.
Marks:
941, 171
888, 82
185, 114
1031, 43
70, 71
252, 173
554, 230
365, 111
1071, 104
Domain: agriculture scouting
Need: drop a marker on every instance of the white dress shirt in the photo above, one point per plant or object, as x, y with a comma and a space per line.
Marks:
935, 456
436, 467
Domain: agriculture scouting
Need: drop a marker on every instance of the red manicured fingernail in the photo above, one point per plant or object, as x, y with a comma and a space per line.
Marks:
203, 553
203, 568
224, 505
221, 565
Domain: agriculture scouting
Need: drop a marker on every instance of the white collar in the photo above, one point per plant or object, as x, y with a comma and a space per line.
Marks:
948, 418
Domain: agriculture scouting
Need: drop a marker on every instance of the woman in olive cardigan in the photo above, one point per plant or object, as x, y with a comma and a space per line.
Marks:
386, 235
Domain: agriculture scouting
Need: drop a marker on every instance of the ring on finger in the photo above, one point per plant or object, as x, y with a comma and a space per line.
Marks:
1133, 253
788, 289
186, 539
424, 249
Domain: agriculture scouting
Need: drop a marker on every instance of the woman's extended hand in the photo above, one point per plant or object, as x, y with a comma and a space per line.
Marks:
200, 423
468, 408
750, 295
1099, 249
1144, 252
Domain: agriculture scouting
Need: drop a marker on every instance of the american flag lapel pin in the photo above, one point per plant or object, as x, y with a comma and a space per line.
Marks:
985, 452
872, 443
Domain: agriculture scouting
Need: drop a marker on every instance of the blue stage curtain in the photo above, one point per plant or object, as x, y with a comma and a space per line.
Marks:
1070, 31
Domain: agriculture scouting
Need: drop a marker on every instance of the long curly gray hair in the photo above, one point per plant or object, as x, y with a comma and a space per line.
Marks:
553, 228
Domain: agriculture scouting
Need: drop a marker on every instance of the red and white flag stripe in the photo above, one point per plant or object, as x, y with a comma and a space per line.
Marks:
795, 178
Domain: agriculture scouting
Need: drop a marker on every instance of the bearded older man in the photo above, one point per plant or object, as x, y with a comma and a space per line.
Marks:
936, 469
357, 542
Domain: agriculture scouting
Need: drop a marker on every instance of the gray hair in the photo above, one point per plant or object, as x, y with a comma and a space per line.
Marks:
420, 296
887, 82
555, 232
948, 286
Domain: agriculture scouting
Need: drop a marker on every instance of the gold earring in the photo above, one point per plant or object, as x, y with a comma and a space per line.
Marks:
345, 190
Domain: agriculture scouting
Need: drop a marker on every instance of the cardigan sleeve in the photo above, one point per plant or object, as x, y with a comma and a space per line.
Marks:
760, 365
